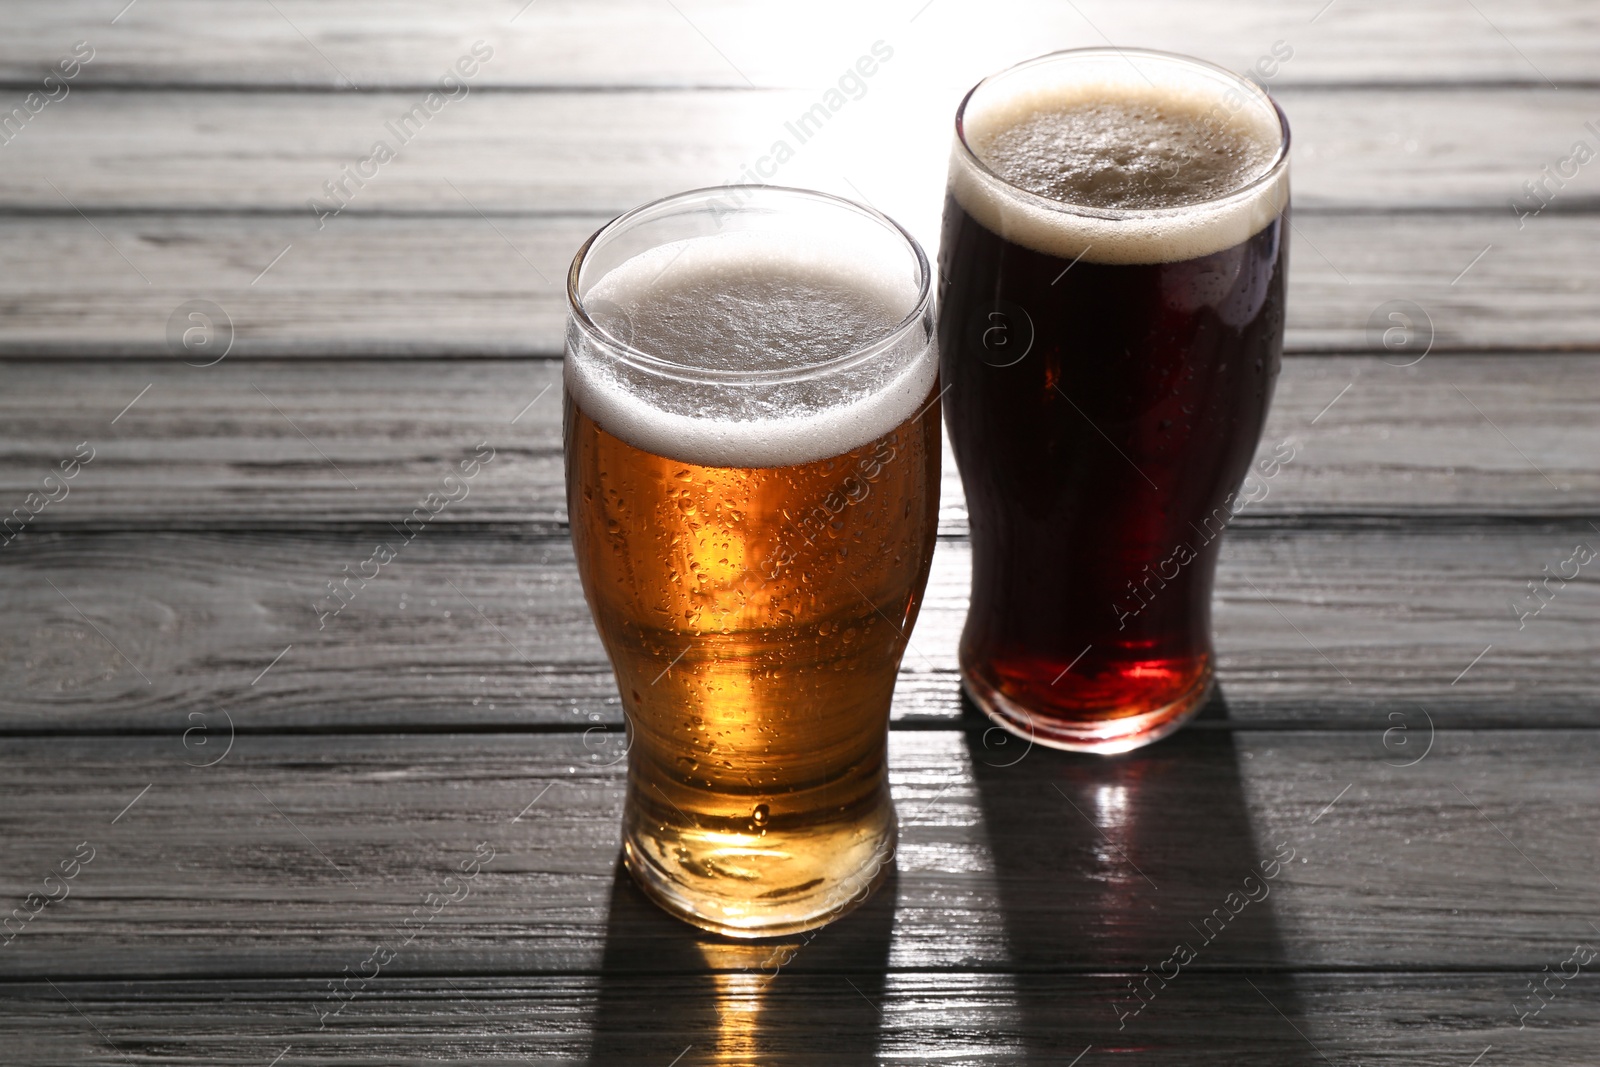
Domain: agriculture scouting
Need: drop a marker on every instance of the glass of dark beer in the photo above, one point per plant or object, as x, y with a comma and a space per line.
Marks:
752, 453
1111, 323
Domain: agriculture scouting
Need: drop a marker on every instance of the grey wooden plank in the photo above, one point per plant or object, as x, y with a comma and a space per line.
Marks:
1321, 627
198, 42
221, 447
297, 856
605, 152
363, 286
468, 286
270, 445
1418, 1020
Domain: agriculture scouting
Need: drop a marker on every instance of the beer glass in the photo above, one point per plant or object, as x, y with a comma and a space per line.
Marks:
1111, 316
752, 456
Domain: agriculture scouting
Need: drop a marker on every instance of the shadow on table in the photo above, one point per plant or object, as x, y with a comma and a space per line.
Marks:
1114, 871
669, 990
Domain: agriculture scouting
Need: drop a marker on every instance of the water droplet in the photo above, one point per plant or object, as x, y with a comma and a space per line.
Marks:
760, 814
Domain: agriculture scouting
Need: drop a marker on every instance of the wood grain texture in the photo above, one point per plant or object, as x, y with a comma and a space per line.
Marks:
1313, 627
471, 286
606, 152
271, 796
718, 42
268, 445
297, 856
1373, 594
1414, 1020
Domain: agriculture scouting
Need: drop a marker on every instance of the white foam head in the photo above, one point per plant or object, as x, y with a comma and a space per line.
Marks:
800, 336
1120, 156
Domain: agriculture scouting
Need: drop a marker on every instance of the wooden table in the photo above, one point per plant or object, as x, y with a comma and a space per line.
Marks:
282, 803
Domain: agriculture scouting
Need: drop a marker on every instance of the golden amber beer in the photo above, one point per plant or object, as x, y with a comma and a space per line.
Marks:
752, 443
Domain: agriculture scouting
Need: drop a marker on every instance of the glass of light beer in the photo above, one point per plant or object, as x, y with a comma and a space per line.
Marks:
1111, 317
752, 455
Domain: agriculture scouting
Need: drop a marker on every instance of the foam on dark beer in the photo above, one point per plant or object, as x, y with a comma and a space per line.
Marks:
1115, 180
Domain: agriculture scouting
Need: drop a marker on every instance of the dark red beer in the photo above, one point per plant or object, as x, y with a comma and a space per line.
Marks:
1107, 390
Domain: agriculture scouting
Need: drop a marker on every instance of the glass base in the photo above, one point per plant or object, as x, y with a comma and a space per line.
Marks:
750, 885
1106, 736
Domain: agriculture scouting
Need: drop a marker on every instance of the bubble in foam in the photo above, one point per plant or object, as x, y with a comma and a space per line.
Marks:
1150, 160
1137, 150
709, 308
754, 338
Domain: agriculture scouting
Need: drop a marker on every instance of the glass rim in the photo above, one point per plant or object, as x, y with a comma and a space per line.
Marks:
640, 359
1272, 173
